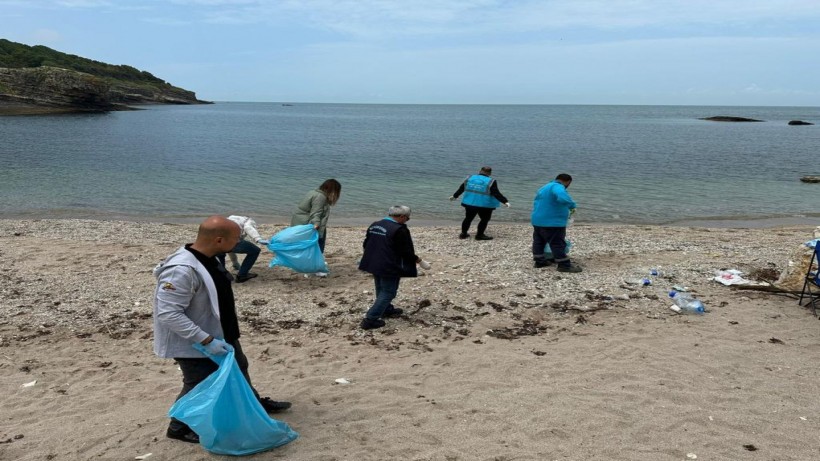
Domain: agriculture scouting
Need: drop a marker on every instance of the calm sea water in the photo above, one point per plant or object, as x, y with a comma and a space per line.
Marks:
634, 164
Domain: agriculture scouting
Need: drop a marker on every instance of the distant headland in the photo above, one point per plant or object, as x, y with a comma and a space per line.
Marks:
39, 80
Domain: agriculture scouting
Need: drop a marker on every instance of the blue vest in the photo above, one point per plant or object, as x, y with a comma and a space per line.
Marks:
477, 192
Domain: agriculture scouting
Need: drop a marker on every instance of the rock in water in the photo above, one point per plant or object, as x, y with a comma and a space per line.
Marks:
728, 118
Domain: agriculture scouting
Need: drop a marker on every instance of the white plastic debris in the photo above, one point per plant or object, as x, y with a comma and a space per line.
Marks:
691, 456
804, 418
342, 381
145, 456
29, 384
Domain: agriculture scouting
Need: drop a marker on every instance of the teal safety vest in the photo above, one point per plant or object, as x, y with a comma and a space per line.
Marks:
477, 192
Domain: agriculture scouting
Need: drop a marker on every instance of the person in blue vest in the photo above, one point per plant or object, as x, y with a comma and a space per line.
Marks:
389, 255
481, 197
551, 210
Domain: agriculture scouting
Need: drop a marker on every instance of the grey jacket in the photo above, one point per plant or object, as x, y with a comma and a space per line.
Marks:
313, 209
186, 307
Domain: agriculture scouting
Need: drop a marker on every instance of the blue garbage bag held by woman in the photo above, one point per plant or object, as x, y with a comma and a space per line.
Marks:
297, 247
226, 414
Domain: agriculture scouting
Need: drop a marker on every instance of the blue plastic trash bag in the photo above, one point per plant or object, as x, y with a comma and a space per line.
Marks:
297, 247
548, 251
226, 415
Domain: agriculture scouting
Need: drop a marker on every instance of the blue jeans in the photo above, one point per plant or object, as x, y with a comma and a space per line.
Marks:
555, 237
194, 371
251, 252
386, 289
322, 243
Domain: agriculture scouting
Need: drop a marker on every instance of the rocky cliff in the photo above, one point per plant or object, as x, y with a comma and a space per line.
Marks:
52, 89
44, 88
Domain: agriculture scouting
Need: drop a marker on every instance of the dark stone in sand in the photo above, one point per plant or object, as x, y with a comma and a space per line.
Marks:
729, 118
799, 123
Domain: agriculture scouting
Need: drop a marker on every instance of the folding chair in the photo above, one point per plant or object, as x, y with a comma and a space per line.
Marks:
811, 286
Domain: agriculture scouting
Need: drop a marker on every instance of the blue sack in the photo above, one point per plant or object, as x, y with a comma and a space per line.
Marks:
297, 247
548, 251
225, 414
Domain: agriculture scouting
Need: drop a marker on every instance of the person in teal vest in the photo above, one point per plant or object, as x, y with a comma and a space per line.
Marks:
551, 210
481, 197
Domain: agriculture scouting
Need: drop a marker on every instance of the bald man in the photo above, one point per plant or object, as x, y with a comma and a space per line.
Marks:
194, 303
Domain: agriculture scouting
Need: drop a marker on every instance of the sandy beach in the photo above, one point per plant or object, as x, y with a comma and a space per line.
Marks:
495, 360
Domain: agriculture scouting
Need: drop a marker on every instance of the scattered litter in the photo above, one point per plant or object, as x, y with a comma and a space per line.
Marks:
29, 384
342, 381
776, 341
735, 277
691, 456
812, 243
750, 447
711, 418
804, 418
680, 288
145, 456
731, 277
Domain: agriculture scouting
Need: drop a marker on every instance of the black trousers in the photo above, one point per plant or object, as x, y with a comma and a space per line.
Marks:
484, 215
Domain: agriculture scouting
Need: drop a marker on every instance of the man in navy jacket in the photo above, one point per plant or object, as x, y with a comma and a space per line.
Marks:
388, 255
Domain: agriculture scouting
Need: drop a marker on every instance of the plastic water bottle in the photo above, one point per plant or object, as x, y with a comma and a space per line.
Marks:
686, 303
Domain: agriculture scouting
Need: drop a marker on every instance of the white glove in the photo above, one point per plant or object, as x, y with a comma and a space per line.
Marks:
218, 347
507, 204
452, 198
262, 242
425, 265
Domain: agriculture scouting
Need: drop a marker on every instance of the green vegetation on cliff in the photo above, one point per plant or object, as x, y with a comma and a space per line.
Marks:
36, 77
17, 55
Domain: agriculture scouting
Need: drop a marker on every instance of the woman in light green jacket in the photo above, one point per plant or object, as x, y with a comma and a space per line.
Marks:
315, 208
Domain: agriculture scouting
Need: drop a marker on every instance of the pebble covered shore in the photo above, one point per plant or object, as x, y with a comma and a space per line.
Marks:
95, 277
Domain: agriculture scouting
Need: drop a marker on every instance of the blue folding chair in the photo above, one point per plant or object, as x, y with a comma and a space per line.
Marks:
811, 286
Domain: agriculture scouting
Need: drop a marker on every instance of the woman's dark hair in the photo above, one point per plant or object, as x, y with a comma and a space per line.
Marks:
332, 189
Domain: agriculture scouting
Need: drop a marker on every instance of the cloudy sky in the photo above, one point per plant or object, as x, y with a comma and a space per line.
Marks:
701, 52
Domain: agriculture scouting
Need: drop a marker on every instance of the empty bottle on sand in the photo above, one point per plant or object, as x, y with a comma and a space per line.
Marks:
686, 303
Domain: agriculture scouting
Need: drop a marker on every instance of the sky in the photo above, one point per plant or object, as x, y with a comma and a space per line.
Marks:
657, 52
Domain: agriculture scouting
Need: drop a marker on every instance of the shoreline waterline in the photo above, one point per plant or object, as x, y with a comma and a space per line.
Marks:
766, 222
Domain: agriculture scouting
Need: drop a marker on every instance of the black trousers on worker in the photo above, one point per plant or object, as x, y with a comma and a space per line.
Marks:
484, 215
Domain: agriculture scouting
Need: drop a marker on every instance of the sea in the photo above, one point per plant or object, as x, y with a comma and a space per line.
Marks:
630, 164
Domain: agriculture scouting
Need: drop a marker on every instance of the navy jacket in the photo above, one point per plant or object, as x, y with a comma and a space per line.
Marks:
388, 250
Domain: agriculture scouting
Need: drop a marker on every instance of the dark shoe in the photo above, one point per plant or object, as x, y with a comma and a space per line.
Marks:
368, 324
245, 278
545, 263
393, 312
571, 268
483, 237
463, 235
186, 435
272, 406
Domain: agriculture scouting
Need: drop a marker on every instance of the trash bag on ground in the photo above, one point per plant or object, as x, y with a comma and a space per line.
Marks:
297, 247
226, 415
